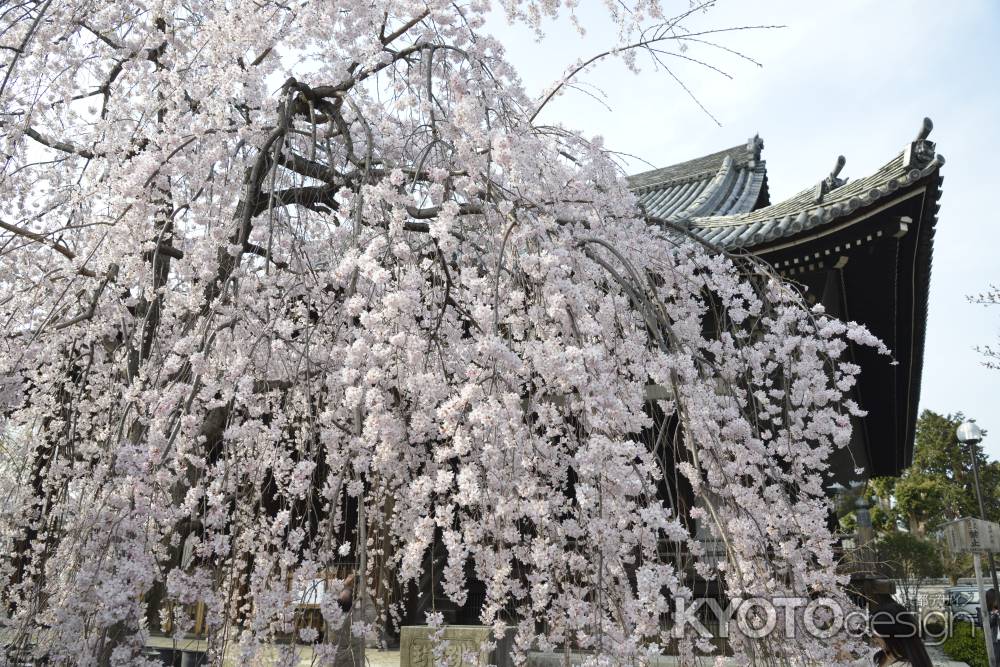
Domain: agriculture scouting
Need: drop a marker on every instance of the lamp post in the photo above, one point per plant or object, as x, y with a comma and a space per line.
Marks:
969, 433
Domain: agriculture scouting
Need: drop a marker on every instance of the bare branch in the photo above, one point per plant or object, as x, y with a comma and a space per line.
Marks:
40, 238
110, 276
55, 144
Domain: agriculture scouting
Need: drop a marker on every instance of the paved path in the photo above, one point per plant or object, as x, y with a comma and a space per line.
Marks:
940, 659
377, 658
382, 658
391, 658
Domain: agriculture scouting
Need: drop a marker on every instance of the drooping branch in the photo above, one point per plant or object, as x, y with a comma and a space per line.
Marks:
279, 422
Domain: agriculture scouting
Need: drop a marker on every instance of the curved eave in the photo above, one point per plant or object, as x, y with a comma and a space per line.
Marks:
921, 293
802, 213
902, 320
793, 239
866, 245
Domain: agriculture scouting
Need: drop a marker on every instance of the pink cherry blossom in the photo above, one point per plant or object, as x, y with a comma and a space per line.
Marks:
287, 283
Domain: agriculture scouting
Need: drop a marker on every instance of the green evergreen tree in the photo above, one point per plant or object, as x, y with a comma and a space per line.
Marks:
937, 487
910, 560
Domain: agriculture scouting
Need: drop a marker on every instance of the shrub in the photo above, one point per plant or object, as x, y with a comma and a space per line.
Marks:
966, 644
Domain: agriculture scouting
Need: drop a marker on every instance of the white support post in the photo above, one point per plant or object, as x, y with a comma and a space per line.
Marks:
984, 612
363, 567
361, 582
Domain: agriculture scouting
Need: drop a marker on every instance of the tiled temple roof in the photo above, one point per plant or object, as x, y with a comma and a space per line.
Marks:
725, 183
725, 208
802, 212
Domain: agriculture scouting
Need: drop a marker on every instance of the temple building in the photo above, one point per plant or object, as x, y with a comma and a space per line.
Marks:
860, 247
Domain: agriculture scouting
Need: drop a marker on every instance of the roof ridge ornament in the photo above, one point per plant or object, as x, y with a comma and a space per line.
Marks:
754, 146
920, 152
831, 182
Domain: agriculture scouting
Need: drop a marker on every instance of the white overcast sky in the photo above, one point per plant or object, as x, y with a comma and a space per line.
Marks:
851, 77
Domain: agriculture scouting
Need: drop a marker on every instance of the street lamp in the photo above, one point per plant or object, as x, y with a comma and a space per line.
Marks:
970, 434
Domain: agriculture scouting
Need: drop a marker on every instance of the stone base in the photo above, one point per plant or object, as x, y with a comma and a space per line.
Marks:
461, 643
